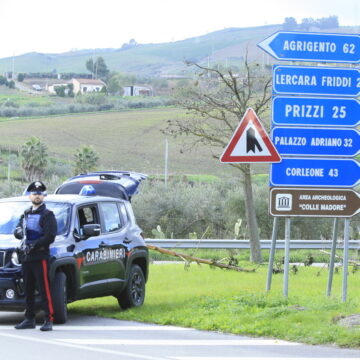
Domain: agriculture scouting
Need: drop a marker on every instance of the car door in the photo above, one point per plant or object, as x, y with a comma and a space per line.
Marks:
115, 231
90, 254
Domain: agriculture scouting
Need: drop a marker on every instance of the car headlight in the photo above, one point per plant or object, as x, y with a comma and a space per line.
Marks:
15, 259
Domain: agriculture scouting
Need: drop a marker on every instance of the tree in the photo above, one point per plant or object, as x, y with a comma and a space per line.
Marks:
289, 23
328, 23
20, 77
34, 158
307, 23
118, 80
98, 68
85, 159
60, 90
217, 101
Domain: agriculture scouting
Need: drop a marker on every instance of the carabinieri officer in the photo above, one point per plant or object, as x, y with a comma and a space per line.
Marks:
37, 228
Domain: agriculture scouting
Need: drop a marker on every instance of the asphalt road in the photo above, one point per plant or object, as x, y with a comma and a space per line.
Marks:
93, 338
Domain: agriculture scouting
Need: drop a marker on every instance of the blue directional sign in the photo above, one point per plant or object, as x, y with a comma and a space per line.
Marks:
316, 111
316, 81
316, 141
320, 47
315, 172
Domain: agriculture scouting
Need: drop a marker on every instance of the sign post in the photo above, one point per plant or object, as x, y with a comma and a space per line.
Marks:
306, 46
315, 134
310, 202
306, 80
332, 256
250, 143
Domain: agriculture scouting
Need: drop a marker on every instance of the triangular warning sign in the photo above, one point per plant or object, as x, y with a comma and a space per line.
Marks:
250, 143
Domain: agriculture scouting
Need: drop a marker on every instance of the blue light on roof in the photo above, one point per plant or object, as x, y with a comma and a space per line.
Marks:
87, 190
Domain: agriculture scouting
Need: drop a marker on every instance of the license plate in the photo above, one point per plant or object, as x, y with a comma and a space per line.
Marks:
2, 259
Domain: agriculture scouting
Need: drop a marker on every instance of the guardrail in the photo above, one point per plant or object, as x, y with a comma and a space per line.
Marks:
244, 244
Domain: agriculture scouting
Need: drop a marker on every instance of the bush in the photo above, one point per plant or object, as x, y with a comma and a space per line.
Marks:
211, 210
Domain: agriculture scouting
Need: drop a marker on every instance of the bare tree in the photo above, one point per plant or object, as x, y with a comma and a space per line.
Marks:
217, 101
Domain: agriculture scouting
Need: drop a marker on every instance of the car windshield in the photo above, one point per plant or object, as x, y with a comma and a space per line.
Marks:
10, 213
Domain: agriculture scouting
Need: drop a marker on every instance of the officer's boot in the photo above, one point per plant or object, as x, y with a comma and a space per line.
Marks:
47, 326
26, 324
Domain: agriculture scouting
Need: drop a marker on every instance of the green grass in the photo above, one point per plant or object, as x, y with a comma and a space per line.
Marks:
130, 140
214, 299
22, 99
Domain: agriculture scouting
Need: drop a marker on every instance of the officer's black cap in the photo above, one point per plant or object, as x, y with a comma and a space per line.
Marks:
36, 186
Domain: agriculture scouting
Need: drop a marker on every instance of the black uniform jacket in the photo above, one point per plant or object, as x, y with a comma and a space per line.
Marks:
41, 246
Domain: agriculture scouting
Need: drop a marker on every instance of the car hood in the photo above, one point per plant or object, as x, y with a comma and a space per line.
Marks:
8, 241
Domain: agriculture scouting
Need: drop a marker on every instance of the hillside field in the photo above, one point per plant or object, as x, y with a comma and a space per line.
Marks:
129, 140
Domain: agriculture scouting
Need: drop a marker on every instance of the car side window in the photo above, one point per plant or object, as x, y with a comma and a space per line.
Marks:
87, 215
111, 216
124, 213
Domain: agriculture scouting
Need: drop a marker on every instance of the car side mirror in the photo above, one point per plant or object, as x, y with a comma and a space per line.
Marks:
91, 230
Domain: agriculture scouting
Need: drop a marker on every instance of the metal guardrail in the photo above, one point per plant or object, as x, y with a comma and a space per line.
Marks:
244, 244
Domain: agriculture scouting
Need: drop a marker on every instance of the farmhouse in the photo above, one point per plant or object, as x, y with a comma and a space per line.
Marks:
83, 86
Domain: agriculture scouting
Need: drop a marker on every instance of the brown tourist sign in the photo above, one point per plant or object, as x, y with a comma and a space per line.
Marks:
314, 202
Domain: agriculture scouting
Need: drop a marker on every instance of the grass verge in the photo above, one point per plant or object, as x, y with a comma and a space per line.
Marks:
214, 299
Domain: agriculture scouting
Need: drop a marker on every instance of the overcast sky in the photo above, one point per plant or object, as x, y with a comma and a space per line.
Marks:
55, 26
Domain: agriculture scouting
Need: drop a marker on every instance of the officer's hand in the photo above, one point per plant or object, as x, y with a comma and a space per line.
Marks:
29, 248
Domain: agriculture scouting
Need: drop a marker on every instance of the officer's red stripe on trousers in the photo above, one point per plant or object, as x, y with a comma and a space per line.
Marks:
47, 289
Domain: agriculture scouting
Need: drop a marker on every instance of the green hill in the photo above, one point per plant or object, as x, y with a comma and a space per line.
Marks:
226, 45
129, 140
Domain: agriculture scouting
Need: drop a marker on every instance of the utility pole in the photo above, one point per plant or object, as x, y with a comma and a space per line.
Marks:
13, 66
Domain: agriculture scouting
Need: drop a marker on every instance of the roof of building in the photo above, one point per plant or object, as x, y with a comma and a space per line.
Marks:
90, 81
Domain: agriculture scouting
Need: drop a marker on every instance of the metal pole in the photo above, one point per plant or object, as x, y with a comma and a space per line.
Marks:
166, 162
9, 166
272, 253
346, 258
287, 256
332, 256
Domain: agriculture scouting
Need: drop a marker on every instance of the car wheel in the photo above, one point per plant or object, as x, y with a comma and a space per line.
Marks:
134, 293
59, 298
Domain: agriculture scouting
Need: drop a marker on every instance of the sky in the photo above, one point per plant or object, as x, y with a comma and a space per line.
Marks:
56, 26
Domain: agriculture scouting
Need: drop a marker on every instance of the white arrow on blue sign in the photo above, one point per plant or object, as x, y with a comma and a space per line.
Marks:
315, 172
316, 141
318, 111
316, 81
322, 47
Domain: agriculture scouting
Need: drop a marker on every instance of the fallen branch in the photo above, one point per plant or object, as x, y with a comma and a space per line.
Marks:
198, 260
341, 258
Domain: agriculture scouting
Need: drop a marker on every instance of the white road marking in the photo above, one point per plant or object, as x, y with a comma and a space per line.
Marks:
239, 342
108, 328
82, 347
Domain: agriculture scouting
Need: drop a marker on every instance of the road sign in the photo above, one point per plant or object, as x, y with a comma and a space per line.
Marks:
316, 80
250, 143
308, 46
314, 202
316, 111
316, 141
315, 172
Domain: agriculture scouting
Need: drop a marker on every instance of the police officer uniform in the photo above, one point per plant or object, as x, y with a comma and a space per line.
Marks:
37, 229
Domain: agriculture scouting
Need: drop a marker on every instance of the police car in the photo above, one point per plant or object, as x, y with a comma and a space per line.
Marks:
99, 249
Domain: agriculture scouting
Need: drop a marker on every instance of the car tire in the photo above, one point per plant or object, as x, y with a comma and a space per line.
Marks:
59, 298
134, 293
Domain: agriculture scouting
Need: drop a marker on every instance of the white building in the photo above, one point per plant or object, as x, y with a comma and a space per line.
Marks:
137, 91
83, 86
